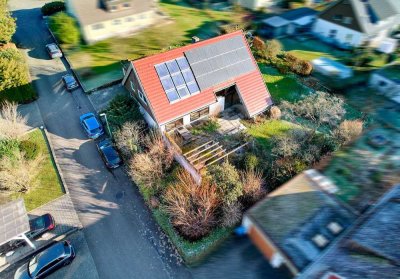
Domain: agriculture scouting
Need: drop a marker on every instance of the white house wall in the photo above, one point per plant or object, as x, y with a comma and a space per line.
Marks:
255, 4
383, 84
322, 29
118, 27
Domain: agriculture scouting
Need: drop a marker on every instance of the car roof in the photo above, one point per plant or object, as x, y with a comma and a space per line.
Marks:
110, 152
69, 78
92, 123
51, 253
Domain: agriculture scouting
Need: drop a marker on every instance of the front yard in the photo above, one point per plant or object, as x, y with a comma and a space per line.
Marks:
99, 63
45, 184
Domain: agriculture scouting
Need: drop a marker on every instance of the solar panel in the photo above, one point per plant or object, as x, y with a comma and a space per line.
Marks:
172, 95
220, 61
177, 79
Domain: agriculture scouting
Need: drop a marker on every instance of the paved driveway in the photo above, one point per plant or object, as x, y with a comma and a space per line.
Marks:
121, 235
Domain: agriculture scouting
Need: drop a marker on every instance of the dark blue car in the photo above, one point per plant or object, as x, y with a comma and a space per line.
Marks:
47, 261
109, 154
91, 125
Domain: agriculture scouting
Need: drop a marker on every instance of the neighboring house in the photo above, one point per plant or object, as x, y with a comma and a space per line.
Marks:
188, 83
387, 81
351, 23
256, 4
297, 222
331, 68
101, 19
288, 23
370, 249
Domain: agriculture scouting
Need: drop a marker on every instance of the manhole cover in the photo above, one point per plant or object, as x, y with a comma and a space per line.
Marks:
119, 195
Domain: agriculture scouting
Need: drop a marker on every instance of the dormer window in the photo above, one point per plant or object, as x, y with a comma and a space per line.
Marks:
127, 5
347, 20
113, 8
337, 17
335, 228
320, 240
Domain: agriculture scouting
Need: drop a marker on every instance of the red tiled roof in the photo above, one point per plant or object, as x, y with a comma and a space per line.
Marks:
251, 86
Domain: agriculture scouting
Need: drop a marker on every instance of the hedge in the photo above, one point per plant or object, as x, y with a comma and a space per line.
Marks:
52, 8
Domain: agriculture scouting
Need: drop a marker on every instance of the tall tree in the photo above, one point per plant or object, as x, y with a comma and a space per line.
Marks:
7, 23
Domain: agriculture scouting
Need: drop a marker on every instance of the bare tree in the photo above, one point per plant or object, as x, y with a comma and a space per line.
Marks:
16, 173
12, 124
231, 214
319, 109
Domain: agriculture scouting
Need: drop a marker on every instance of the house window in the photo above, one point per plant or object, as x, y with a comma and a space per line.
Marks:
143, 16
382, 83
332, 33
199, 114
349, 37
337, 17
127, 5
133, 86
113, 8
117, 21
175, 124
98, 26
347, 20
142, 97
129, 19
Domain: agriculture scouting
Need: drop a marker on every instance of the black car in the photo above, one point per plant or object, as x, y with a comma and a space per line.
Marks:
70, 82
109, 154
47, 261
38, 226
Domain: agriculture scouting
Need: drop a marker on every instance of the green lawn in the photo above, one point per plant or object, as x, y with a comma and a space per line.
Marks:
282, 87
46, 185
98, 64
264, 131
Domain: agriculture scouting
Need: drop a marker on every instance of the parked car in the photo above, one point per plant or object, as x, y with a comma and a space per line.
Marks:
54, 51
38, 226
70, 82
109, 154
47, 261
91, 125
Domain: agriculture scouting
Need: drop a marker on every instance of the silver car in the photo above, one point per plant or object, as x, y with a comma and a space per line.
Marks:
54, 51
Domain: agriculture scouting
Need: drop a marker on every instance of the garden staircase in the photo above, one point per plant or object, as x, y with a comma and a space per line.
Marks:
207, 152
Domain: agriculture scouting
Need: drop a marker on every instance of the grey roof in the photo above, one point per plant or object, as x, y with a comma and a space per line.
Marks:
219, 62
89, 12
13, 220
370, 249
294, 213
367, 13
298, 13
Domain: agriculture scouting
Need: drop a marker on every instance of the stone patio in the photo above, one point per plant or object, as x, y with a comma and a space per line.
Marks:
229, 121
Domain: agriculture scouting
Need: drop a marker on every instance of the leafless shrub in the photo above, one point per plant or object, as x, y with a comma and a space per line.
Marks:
253, 182
129, 139
231, 214
12, 124
192, 207
275, 113
16, 173
348, 131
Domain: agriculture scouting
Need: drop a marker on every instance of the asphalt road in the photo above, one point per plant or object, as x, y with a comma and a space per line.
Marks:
122, 237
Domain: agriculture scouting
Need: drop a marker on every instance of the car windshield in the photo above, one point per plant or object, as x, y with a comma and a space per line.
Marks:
33, 263
96, 130
111, 154
38, 223
69, 79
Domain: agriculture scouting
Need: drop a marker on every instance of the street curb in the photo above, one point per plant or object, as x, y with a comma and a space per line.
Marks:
50, 145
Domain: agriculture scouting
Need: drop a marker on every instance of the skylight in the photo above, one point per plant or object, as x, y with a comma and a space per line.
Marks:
177, 79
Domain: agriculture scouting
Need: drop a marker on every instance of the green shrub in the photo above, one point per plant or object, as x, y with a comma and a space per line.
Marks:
251, 161
13, 69
22, 94
8, 148
227, 179
7, 24
53, 7
65, 28
29, 148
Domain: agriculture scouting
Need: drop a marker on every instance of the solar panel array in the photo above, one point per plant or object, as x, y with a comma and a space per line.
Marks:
13, 220
177, 79
221, 61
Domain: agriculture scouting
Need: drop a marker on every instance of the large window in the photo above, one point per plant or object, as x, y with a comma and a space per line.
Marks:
176, 124
199, 114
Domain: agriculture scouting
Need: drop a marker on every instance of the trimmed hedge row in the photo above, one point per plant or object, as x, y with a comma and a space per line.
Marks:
52, 8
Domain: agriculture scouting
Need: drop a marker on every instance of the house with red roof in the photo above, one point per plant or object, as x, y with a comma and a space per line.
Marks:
183, 85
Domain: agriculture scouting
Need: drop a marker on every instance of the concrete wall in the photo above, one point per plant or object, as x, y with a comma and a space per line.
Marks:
117, 27
218, 107
344, 35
